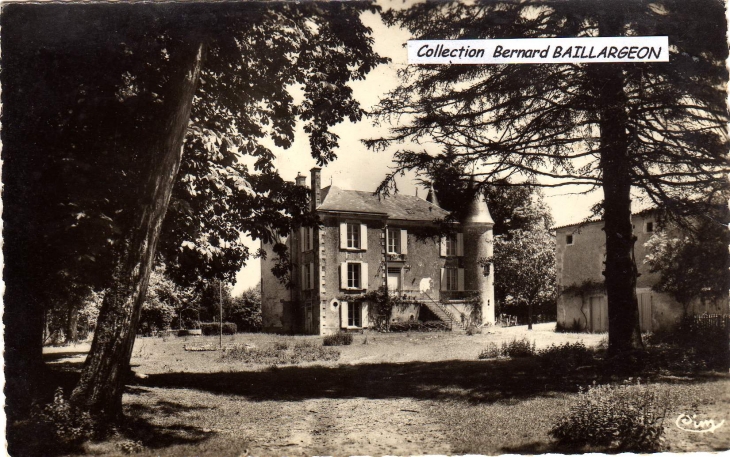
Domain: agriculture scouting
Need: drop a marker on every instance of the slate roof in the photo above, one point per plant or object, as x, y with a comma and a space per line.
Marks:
397, 206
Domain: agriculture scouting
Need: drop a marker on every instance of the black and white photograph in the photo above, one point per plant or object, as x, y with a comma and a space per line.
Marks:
367, 227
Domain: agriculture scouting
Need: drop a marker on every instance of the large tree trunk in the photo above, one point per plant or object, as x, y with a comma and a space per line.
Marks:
101, 386
623, 308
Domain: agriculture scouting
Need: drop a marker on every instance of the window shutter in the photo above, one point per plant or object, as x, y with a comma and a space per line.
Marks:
302, 233
443, 279
460, 278
303, 283
363, 275
404, 242
311, 237
459, 244
363, 237
364, 307
343, 235
443, 247
343, 275
311, 275
343, 314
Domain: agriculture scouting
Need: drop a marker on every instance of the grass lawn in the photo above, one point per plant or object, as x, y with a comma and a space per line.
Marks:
397, 394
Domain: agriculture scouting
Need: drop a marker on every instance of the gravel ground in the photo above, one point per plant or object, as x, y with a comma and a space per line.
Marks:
388, 394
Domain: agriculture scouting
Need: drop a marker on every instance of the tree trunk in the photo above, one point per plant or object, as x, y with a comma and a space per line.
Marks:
72, 322
529, 315
623, 308
101, 386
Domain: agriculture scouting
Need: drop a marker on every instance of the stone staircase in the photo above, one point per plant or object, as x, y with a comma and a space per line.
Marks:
444, 314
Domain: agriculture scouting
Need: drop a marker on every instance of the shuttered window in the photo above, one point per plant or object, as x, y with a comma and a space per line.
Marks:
394, 241
354, 275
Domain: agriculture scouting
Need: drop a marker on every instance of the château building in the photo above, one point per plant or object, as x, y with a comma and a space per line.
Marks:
365, 242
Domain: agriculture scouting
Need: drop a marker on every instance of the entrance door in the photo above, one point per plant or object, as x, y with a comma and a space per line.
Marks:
308, 319
394, 279
645, 301
599, 314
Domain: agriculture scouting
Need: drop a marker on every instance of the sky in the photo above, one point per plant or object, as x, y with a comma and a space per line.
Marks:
358, 168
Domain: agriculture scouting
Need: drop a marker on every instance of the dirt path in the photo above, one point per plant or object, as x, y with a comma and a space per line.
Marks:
354, 426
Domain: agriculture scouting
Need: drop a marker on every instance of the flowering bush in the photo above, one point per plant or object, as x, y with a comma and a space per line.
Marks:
617, 418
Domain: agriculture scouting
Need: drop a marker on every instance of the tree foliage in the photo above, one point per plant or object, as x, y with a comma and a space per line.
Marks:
91, 146
524, 265
511, 207
653, 128
691, 264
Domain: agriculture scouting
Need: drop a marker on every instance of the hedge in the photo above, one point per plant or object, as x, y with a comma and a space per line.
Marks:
213, 328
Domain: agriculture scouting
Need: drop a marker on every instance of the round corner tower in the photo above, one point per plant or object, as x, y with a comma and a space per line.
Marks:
479, 245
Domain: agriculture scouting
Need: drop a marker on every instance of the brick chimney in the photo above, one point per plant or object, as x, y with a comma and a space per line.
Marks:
316, 195
300, 180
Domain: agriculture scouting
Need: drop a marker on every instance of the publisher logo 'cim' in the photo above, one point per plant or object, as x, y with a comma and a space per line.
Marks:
691, 424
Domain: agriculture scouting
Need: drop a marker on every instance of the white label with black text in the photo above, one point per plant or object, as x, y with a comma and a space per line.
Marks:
540, 50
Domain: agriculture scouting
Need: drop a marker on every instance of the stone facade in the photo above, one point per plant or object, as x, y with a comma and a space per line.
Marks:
363, 243
580, 256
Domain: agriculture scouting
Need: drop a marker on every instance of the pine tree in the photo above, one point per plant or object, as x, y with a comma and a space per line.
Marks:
657, 129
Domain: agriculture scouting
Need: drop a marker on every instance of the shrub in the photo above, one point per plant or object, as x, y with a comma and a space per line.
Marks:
618, 418
691, 346
514, 348
518, 348
213, 328
417, 326
281, 353
62, 424
492, 351
338, 339
565, 357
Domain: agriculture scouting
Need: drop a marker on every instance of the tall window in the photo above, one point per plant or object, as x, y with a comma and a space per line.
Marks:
353, 236
353, 275
354, 315
452, 279
306, 276
394, 241
450, 245
649, 227
307, 238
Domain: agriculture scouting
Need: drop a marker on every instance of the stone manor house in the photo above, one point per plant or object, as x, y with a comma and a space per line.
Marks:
365, 242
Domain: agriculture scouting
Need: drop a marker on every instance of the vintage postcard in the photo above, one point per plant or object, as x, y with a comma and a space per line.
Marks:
365, 228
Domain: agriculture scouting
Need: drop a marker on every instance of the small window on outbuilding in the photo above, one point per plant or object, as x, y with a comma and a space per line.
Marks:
568, 239
649, 227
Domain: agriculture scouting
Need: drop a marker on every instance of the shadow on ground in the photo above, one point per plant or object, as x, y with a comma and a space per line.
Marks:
473, 381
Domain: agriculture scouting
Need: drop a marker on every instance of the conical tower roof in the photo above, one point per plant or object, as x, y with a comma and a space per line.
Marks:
431, 197
478, 212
